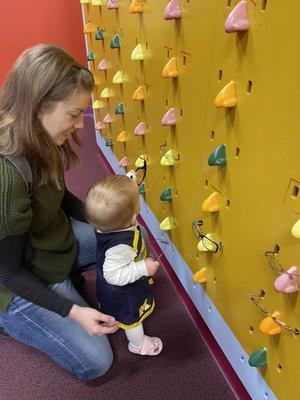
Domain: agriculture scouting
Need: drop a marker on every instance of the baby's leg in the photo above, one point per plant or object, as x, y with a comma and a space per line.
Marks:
139, 343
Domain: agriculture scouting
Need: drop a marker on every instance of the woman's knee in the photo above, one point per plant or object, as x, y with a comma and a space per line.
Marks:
96, 364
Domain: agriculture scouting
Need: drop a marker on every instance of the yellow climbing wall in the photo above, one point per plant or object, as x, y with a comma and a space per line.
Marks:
257, 188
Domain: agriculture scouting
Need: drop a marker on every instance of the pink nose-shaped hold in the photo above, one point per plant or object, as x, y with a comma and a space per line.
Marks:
113, 4
287, 282
107, 119
169, 119
173, 11
103, 65
140, 129
237, 20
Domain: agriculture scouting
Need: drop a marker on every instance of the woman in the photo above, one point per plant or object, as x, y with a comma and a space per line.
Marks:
41, 106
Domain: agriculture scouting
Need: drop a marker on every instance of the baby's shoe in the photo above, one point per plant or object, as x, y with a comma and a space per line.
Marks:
151, 346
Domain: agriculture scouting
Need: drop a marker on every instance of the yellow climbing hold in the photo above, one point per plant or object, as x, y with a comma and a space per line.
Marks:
120, 77
99, 2
140, 162
98, 104
170, 69
167, 224
169, 158
106, 93
205, 244
227, 96
138, 53
295, 231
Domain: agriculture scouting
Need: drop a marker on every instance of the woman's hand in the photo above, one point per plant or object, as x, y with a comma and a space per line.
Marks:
93, 321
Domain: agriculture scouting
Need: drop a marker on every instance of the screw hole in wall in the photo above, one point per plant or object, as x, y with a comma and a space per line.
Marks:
279, 368
249, 87
295, 192
264, 5
220, 74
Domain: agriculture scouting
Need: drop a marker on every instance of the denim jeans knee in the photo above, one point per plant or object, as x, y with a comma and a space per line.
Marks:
97, 364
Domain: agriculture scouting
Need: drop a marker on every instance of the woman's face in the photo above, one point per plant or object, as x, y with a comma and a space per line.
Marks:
65, 117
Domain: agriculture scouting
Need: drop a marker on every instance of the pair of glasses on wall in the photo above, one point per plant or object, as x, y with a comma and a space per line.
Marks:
138, 174
255, 298
207, 242
275, 265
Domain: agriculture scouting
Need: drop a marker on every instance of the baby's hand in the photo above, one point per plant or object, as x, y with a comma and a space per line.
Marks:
152, 266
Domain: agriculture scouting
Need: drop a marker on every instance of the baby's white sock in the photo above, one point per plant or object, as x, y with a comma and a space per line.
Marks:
136, 336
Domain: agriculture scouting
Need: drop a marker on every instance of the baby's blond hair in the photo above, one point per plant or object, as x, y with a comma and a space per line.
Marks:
111, 203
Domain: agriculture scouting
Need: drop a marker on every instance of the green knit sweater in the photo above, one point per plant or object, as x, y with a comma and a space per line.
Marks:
52, 249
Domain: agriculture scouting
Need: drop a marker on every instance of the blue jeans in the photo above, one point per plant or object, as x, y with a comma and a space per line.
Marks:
62, 339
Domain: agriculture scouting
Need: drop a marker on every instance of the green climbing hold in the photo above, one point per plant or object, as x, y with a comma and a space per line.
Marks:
218, 156
100, 34
258, 358
115, 42
119, 109
90, 56
142, 188
109, 141
166, 195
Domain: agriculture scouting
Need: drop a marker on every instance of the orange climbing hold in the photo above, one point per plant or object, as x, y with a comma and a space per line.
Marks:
136, 7
227, 96
200, 276
268, 326
211, 204
140, 93
89, 28
123, 137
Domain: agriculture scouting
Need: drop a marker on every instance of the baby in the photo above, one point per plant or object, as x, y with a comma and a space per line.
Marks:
123, 290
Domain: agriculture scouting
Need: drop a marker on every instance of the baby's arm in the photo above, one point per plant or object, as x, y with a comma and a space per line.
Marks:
119, 267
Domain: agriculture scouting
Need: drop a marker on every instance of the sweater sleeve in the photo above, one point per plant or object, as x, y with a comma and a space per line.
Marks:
119, 267
73, 206
15, 277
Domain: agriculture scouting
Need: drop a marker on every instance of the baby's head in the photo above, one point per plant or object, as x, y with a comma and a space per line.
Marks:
112, 203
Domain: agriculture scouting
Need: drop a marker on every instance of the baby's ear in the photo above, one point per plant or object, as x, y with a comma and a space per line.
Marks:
131, 174
133, 222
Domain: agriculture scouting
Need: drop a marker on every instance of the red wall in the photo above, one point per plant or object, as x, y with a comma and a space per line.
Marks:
26, 23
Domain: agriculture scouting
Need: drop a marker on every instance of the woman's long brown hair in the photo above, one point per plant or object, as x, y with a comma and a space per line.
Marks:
42, 76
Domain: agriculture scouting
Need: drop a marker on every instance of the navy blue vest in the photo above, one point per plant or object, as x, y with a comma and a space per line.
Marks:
132, 303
